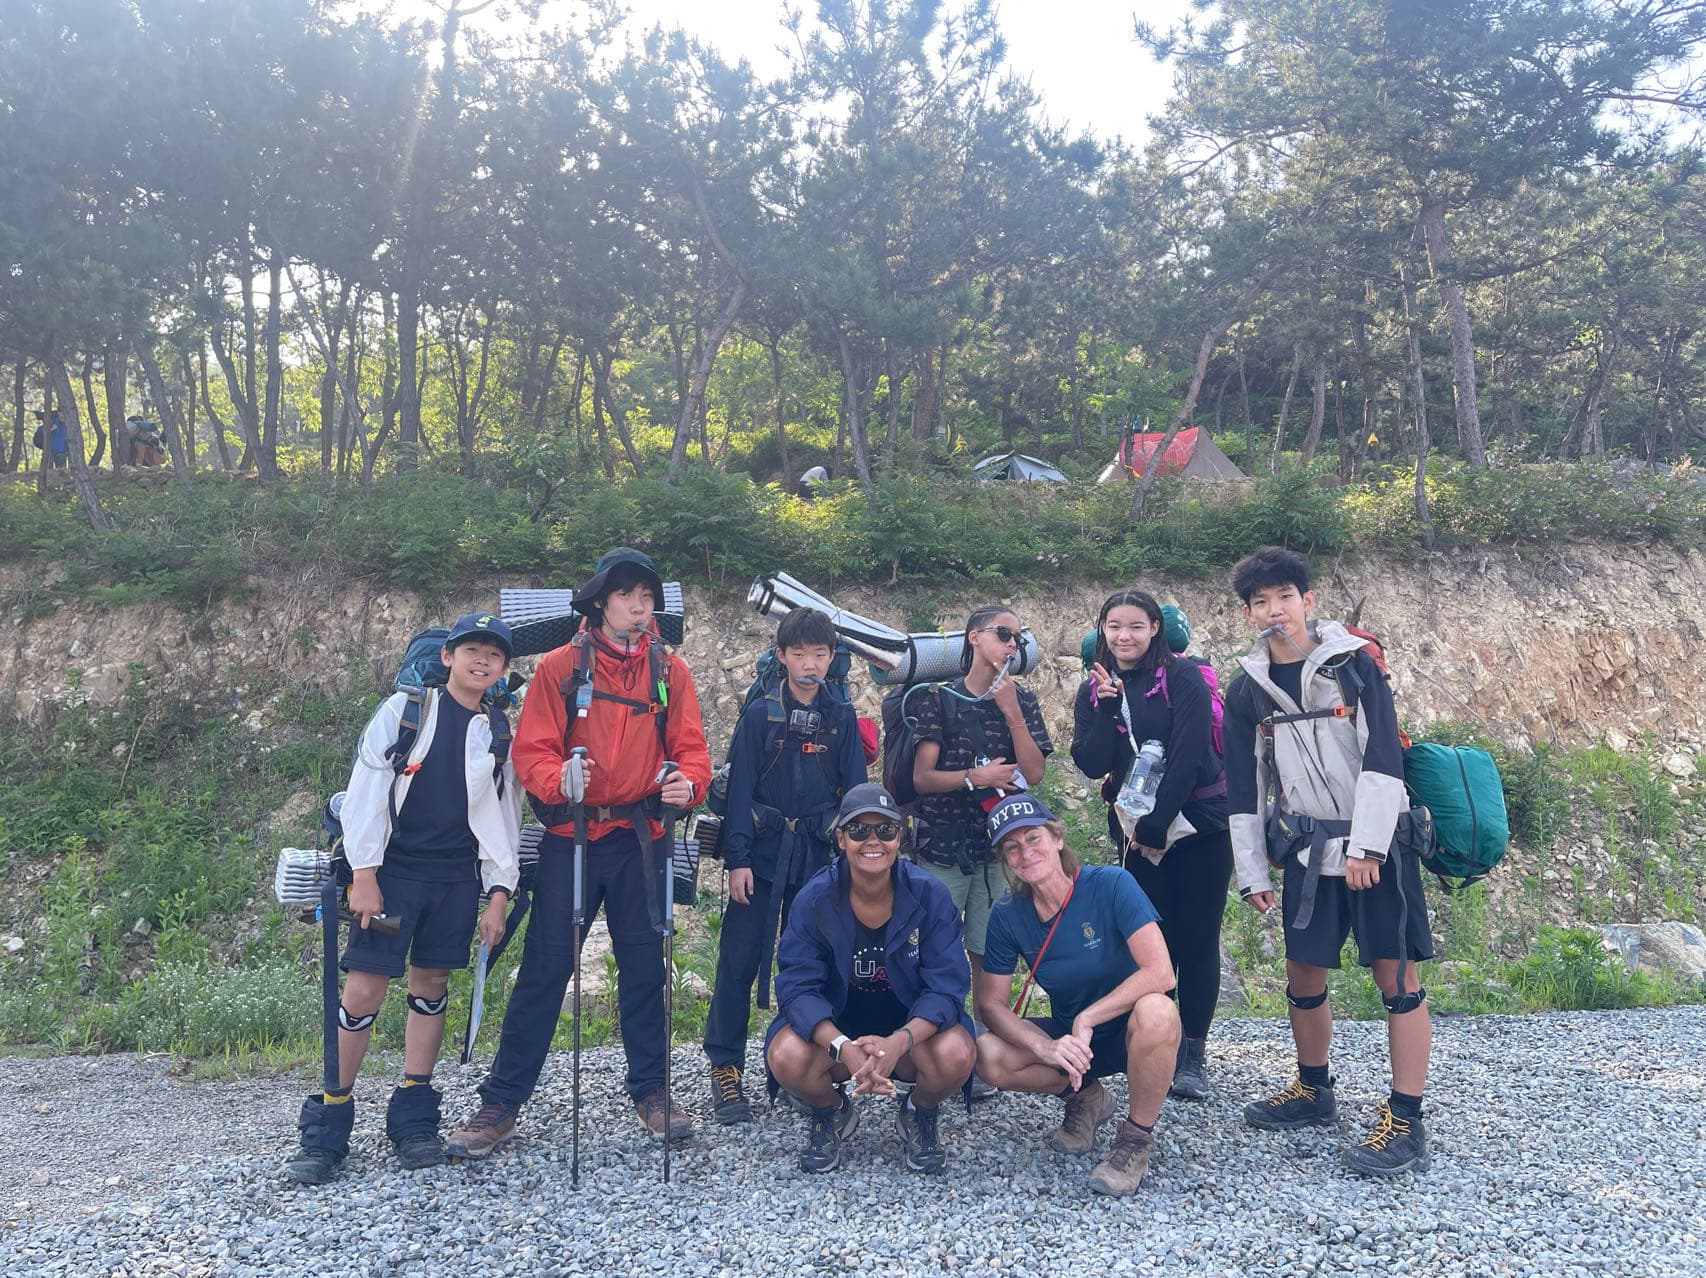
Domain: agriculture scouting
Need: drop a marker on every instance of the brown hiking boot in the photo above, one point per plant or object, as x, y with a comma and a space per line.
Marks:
651, 1110
1122, 1170
490, 1127
1086, 1110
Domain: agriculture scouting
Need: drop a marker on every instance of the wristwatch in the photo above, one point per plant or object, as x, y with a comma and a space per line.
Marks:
835, 1046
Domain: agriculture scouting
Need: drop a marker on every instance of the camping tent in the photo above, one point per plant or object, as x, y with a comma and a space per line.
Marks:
1193, 453
1017, 466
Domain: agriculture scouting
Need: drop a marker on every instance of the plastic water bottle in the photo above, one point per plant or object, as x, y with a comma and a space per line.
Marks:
1137, 795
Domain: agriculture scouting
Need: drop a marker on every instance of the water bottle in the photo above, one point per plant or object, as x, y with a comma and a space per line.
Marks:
1137, 795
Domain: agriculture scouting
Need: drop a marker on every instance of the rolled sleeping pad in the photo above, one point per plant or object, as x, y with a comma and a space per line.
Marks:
934, 656
779, 594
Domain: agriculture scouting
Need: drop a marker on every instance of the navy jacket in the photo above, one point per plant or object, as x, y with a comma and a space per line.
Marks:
799, 788
923, 949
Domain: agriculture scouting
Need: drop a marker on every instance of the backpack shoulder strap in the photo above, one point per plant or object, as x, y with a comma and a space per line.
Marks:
659, 664
415, 703
502, 737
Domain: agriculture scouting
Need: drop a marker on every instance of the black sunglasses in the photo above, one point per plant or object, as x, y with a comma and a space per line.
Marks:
859, 831
1004, 633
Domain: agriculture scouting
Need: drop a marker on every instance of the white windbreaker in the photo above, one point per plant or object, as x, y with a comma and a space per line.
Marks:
494, 821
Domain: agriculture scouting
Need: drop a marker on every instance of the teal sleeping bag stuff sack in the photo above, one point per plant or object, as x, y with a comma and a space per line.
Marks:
1460, 785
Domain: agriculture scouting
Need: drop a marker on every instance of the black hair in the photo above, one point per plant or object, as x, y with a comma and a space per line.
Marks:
1269, 566
805, 627
980, 618
1158, 653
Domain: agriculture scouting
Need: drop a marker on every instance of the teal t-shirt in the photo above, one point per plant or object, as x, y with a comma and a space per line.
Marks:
1089, 954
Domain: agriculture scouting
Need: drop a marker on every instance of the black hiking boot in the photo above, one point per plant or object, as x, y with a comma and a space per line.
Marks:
1297, 1106
312, 1166
729, 1104
1395, 1145
420, 1149
1189, 1082
918, 1134
823, 1140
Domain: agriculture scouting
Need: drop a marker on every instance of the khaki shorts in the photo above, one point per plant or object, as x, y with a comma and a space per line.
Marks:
973, 894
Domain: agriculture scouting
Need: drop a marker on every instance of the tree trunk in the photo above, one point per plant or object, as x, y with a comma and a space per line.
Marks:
1419, 488
925, 391
221, 451
855, 420
168, 426
94, 414
112, 377
186, 374
1285, 408
15, 455
776, 400
275, 369
604, 457
1249, 425
693, 407
545, 377
1431, 219
80, 479
242, 407
891, 369
603, 358
1317, 407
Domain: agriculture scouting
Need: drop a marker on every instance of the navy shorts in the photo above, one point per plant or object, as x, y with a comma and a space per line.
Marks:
1376, 916
1107, 1042
436, 930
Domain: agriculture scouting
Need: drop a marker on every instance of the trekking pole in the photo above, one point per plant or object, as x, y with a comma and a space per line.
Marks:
329, 984
577, 787
668, 866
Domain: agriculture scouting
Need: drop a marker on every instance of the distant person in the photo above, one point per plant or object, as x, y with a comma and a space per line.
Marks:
812, 484
57, 443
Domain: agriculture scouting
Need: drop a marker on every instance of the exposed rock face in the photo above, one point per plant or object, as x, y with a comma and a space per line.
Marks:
1678, 949
1573, 644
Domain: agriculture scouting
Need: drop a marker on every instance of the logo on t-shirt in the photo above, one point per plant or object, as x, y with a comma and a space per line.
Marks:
1091, 940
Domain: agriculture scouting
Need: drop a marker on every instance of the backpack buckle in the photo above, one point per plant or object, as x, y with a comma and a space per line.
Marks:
411, 769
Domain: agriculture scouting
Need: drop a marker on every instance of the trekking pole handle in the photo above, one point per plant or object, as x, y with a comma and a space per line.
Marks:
576, 755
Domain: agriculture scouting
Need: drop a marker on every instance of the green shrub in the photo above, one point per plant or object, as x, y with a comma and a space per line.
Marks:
1568, 969
186, 1008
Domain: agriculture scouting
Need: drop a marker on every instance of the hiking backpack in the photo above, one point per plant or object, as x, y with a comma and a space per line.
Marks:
420, 674
900, 737
1216, 702
1458, 785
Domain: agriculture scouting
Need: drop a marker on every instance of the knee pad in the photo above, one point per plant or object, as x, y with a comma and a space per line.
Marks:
355, 1024
1304, 1003
429, 1006
1399, 1004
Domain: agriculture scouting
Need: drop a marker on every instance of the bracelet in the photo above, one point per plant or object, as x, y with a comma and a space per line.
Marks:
969, 785
911, 1043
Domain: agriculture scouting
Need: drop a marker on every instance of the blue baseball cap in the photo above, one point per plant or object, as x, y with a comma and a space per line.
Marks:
481, 625
1016, 812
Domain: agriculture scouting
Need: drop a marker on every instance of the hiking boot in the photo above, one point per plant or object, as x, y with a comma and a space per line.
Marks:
1189, 1082
312, 1166
823, 1140
1297, 1106
1122, 1170
490, 1127
423, 1149
729, 1104
656, 1114
1396, 1145
1086, 1110
918, 1134
981, 1091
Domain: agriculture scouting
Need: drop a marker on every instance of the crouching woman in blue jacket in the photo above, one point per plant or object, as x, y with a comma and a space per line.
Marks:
871, 984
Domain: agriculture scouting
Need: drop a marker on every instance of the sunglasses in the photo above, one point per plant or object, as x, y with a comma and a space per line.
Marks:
1004, 633
859, 831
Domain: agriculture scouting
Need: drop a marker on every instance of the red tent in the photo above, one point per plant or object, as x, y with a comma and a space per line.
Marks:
1193, 452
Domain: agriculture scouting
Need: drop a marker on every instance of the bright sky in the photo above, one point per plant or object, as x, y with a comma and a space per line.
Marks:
1079, 55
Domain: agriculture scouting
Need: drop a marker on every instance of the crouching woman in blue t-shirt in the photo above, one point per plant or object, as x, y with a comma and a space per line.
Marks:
1093, 943
871, 984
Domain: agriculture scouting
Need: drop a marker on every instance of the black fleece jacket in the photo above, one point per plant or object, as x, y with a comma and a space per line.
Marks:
1102, 748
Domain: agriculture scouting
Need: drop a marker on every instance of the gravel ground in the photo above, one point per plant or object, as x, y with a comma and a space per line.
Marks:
1566, 1144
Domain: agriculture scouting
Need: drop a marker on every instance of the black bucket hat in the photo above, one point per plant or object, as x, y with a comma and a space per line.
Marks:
616, 568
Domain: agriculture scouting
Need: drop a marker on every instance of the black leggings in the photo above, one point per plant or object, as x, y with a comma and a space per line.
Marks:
1188, 890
